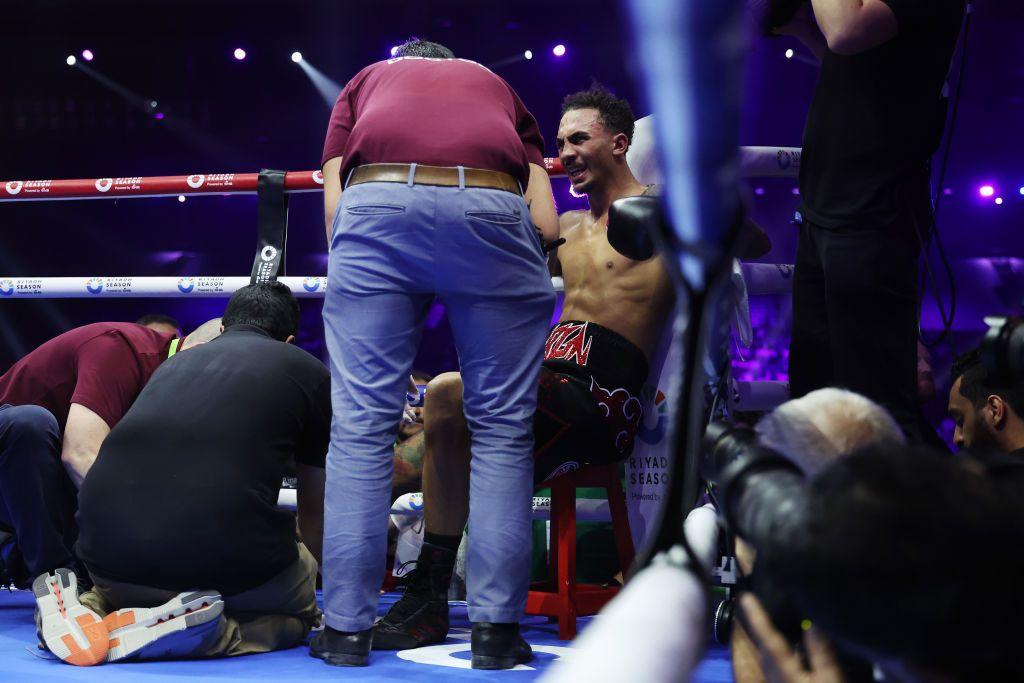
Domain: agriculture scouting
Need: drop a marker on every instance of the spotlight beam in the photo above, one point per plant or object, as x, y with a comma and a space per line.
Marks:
327, 88
514, 59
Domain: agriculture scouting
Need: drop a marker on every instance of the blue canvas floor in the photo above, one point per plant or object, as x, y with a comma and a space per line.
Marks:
21, 661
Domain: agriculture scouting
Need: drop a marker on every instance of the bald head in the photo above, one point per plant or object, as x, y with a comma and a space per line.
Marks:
208, 331
826, 424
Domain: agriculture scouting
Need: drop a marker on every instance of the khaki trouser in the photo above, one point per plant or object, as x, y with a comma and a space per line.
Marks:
273, 616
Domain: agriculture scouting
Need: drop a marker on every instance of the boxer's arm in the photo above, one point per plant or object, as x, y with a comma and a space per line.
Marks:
852, 26
542, 203
83, 434
332, 193
310, 507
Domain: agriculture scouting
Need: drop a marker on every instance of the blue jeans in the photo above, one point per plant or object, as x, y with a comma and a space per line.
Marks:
37, 499
396, 247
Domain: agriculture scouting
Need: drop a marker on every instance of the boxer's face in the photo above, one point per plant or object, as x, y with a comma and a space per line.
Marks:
585, 147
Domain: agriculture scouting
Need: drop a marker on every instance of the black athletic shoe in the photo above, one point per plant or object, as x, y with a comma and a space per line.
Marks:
339, 648
420, 617
498, 646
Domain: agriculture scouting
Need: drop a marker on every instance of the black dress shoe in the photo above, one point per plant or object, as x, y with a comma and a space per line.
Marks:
498, 646
340, 648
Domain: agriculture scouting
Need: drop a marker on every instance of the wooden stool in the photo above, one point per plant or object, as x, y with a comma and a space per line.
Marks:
561, 597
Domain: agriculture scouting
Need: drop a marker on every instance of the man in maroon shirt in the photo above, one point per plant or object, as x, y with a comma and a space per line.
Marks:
434, 154
57, 404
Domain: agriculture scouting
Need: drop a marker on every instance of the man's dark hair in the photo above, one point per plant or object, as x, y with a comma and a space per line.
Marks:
416, 47
896, 542
977, 382
158, 318
269, 306
616, 114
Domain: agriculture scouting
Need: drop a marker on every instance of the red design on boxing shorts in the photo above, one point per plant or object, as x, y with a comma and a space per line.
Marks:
588, 401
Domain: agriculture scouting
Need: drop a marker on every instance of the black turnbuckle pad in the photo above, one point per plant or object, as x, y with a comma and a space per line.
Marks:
272, 222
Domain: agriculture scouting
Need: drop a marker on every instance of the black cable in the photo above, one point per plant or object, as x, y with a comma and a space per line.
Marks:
933, 228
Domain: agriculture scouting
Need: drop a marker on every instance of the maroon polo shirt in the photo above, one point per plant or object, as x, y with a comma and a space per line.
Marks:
102, 366
436, 112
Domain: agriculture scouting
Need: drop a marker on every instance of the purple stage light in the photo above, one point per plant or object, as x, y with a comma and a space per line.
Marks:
159, 116
759, 191
239, 53
796, 191
558, 50
87, 55
947, 191
986, 190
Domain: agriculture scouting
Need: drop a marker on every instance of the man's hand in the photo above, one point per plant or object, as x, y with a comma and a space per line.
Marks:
83, 434
778, 660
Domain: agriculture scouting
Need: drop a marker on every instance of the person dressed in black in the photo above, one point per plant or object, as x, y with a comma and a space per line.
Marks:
875, 120
178, 521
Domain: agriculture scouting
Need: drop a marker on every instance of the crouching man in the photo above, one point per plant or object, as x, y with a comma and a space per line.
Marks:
178, 526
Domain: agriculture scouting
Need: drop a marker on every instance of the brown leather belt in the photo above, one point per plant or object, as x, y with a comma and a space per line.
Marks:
446, 176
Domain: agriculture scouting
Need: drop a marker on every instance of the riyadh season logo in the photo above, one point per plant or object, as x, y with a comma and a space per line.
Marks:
14, 186
655, 434
186, 285
94, 285
311, 283
318, 177
196, 181
268, 254
6, 287
104, 184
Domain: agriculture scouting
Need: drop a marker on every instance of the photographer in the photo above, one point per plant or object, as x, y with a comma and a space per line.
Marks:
812, 432
987, 407
883, 551
875, 120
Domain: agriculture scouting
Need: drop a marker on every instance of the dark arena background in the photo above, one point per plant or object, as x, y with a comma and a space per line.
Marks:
104, 89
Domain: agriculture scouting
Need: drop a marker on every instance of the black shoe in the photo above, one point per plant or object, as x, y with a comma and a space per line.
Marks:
498, 646
339, 648
420, 617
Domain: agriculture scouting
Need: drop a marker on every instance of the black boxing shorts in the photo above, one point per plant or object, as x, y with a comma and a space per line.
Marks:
588, 403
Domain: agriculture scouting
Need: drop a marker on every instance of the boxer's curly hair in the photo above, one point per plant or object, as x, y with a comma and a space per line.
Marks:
616, 114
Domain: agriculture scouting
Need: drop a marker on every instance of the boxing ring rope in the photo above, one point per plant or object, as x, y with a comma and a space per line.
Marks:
761, 278
755, 162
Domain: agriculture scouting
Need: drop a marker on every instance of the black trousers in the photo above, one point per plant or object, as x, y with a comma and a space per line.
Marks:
855, 315
37, 499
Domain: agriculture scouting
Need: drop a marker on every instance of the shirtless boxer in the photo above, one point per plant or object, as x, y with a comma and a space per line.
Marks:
596, 360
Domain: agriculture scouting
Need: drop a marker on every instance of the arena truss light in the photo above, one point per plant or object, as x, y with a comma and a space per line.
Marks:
986, 191
296, 56
71, 60
558, 50
528, 54
239, 53
87, 55
789, 53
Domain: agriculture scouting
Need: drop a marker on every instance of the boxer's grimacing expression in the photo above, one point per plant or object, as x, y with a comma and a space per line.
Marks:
587, 148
